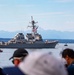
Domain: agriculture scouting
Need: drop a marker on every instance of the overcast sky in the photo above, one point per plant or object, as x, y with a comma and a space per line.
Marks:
50, 14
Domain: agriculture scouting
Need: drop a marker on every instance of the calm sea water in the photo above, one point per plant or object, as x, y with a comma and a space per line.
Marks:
7, 53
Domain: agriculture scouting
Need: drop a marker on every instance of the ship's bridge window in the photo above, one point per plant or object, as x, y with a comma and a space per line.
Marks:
18, 38
22, 37
20, 34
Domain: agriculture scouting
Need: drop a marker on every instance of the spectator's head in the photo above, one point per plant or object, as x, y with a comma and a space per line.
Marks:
18, 56
68, 54
37, 63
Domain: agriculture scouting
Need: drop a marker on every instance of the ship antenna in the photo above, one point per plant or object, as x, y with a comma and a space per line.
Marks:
34, 27
31, 18
32, 22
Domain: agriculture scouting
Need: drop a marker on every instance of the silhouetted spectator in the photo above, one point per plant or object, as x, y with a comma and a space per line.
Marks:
68, 55
37, 63
18, 56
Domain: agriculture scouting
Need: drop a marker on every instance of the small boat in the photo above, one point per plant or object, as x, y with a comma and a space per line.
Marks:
66, 44
32, 40
1, 50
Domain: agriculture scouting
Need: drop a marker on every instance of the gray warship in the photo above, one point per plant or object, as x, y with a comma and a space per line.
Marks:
31, 40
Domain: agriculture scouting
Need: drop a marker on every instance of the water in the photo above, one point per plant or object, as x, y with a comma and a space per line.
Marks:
7, 53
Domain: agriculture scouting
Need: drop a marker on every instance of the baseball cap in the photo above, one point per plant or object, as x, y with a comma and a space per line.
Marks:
38, 63
19, 53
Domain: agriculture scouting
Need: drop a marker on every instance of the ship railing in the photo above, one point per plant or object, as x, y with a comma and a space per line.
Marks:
47, 41
3, 43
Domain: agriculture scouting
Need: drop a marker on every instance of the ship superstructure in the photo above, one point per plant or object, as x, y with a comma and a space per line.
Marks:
30, 40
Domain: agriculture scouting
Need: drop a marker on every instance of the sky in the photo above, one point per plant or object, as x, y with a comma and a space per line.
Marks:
50, 14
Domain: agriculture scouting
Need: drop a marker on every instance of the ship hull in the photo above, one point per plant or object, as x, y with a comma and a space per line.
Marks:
30, 45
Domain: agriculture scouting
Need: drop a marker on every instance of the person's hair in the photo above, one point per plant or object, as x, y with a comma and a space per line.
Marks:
69, 52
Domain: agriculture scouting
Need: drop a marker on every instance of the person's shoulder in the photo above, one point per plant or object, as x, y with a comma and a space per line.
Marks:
71, 66
0, 69
71, 69
1, 72
12, 71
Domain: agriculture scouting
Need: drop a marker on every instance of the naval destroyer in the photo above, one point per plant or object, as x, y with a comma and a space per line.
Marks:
31, 40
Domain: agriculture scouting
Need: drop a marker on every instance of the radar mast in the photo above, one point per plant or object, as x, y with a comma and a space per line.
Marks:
34, 27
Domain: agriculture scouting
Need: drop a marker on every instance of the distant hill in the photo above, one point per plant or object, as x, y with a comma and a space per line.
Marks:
46, 34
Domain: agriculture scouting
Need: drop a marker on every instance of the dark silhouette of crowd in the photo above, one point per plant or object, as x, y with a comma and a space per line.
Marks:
40, 63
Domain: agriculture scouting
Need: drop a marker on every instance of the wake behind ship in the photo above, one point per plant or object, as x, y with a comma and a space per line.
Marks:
31, 40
